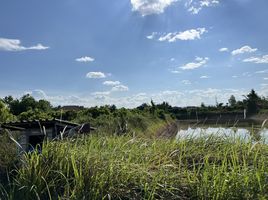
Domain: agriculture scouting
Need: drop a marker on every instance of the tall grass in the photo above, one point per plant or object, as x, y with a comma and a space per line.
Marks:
137, 168
8, 156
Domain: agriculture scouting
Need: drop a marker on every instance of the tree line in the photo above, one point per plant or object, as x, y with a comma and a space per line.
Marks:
28, 108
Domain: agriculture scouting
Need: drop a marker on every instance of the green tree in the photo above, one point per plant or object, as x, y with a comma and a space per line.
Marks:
252, 100
44, 105
153, 107
5, 115
34, 114
232, 101
18, 106
8, 99
28, 103
143, 107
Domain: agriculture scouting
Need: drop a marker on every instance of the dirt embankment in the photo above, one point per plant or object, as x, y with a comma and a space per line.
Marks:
169, 131
259, 118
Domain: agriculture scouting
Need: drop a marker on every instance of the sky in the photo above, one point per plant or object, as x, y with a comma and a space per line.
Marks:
127, 52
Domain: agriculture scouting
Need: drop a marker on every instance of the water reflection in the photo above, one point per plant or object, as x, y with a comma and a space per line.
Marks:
234, 132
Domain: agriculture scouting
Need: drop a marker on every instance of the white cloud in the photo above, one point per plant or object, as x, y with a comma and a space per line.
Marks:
170, 92
101, 96
116, 87
262, 71
195, 6
149, 7
119, 88
111, 83
264, 85
186, 82
257, 60
105, 93
15, 45
224, 49
244, 49
191, 34
95, 75
152, 36
234, 76
175, 72
85, 59
37, 94
204, 77
193, 65
247, 74
206, 92
265, 78
59, 99
196, 97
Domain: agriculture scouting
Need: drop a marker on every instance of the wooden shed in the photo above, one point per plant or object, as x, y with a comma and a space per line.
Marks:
32, 133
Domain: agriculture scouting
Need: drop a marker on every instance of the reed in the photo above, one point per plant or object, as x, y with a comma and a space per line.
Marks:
124, 167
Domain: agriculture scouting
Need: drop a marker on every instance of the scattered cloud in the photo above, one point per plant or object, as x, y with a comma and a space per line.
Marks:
244, 49
257, 60
85, 59
111, 83
101, 96
95, 75
262, 71
206, 92
119, 88
264, 84
149, 7
195, 6
191, 34
247, 74
101, 93
57, 99
204, 77
116, 86
37, 94
265, 78
172, 59
175, 71
152, 36
186, 82
234, 76
15, 45
199, 62
224, 49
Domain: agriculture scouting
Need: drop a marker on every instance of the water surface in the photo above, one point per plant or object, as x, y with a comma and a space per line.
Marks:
244, 133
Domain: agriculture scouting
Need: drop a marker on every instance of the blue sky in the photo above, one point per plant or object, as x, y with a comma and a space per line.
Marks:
127, 52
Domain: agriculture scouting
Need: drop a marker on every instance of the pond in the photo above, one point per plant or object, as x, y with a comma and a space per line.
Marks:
240, 132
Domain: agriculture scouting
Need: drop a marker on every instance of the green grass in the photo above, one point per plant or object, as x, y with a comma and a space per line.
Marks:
8, 157
138, 168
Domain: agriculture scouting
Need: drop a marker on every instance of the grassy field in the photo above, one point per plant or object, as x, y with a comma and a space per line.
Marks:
124, 167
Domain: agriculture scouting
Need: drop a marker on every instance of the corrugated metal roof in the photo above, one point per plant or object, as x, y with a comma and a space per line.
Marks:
38, 123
